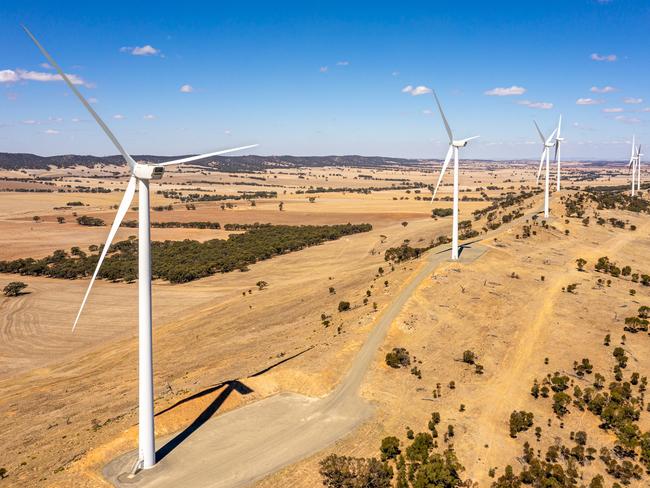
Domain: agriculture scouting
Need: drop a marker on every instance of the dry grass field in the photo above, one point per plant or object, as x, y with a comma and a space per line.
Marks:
68, 402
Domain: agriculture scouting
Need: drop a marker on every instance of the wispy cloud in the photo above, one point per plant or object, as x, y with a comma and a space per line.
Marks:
604, 89
588, 101
119, 117
323, 69
146, 50
13, 76
505, 92
395, 73
149, 117
343, 63
612, 110
30, 122
187, 89
538, 105
51, 131
627, 120
603, 57
416, 91
633, 101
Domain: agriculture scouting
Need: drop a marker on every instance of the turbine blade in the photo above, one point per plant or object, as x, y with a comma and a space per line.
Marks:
557, 151
207, 155
121, 212
442, 171
444, 119
550, 138
111, 136
541, 136
559, 127
633, 146
541, 163
469, 139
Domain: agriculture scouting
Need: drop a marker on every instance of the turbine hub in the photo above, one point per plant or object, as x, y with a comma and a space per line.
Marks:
461, 143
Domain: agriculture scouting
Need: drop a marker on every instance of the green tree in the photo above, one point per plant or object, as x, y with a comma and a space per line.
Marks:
389, 448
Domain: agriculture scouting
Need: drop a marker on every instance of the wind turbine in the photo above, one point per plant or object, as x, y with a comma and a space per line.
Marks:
548, 144
558, 142
141, 174
635, 166
454, 145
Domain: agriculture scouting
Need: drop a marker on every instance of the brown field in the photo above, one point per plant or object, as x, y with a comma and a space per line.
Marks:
68, 402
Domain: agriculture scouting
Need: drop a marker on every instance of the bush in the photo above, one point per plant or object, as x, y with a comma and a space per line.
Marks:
469, 357
398, 358
14, 289
350, 472
90, 221
343, 306
389, 448
520, 422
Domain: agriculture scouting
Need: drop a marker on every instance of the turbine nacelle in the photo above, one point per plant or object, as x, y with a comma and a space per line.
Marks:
148, 171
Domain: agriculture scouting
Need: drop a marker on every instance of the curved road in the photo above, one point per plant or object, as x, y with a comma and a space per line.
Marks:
246, 444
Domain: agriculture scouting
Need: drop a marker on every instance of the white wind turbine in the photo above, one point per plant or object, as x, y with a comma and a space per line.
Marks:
635, 166
141, 173
558, 142
548, 144
454, 145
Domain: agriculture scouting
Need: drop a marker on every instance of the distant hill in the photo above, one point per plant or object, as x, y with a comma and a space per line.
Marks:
238, 163
220, 163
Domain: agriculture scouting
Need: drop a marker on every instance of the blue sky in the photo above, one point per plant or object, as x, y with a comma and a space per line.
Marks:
328, 79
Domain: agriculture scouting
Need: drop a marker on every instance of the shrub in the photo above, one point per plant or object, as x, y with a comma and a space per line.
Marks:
343, 472
14, 289
343, 306
389, 448
520, 422
398, 358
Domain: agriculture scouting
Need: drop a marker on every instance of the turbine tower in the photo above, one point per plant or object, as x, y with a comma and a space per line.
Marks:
548, 144
638, 167
454, 145
141, 174
558, 142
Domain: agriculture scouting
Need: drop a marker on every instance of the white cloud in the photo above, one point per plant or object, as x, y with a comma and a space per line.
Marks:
633, 101
227, 132
12, 76
539, 105
504, 92
45, 66
51, 132
603, 57
612, 110
187, 89
395, 73
119, 117
627, 120
604, 89
323, 69
75, 119
30, 122
343, 63
146, 50
588, 101
93, 100
8, 76
415, 91
149, 117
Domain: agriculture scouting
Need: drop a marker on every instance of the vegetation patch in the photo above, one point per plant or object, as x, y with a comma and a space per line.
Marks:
183, 261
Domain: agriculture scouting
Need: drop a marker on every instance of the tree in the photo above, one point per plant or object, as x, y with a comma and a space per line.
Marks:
581, 264
520, 422
469, 357
343, 306
60, 220
261, 284
389, 448
14, 289
281, 206
3, 473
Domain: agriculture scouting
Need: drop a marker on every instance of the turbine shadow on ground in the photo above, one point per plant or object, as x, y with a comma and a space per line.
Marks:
215, 405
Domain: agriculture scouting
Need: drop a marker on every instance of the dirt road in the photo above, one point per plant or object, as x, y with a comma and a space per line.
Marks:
244, 445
